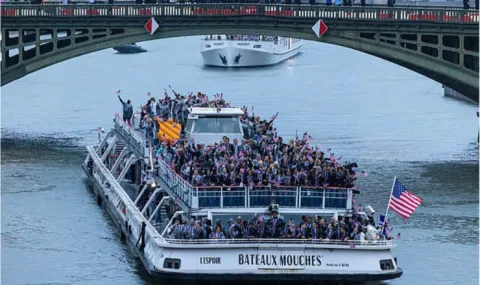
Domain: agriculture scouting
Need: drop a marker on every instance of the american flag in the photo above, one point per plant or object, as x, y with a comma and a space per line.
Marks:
402, 201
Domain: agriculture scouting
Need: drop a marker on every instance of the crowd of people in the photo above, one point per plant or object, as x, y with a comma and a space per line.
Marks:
343, 229
261, 158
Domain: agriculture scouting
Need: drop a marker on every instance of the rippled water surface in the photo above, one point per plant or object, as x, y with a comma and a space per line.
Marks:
390, 120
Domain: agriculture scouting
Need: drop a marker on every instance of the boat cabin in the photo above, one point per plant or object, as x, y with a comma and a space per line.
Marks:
209, 125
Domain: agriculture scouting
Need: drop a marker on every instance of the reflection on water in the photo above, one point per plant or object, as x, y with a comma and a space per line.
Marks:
389, 120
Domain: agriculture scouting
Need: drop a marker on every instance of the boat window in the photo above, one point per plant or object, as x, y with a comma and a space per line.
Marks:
207, 46
217, 125
188, 128
257, 46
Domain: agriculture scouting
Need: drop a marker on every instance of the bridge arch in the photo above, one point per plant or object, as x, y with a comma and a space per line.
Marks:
379, 39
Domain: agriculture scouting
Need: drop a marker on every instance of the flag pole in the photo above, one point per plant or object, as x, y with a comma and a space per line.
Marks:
389, 200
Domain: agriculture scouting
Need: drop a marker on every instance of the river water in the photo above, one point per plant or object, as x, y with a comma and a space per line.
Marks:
389, 120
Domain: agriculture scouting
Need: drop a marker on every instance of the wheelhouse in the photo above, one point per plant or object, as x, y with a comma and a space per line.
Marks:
209, 125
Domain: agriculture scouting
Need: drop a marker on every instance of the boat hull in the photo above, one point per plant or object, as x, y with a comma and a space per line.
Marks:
231, 54
129, 49
196, 262
286, 277
243, 259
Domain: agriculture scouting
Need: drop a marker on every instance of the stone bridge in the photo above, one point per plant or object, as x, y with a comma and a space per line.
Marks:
440, 43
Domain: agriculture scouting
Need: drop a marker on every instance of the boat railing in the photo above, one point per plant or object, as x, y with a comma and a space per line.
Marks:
131, 136
124, 207
349, 243
181, 188
210, 197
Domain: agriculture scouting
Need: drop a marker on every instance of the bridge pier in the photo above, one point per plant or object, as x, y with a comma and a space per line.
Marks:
449, 92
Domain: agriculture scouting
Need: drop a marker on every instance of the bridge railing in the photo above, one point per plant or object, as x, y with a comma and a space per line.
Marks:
222, 10
356, 3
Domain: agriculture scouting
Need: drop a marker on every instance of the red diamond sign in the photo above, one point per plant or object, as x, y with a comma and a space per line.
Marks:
320, 28
151, 26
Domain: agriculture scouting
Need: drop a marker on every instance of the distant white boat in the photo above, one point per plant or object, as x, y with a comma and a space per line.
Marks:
247, 50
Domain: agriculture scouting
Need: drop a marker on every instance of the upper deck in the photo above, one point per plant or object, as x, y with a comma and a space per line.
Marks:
209, 197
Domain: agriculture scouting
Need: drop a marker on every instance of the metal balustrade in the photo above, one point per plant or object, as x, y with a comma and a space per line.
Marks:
208, 197
130, 135
318, 242
370, 13
357, 3
124, 206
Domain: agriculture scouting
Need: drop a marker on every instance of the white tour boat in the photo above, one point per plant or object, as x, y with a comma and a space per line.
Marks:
145, 214
247, 50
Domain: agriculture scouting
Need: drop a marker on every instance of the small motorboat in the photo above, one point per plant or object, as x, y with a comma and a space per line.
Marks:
129, 48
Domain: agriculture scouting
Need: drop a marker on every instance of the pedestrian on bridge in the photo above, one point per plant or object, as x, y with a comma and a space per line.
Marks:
466, 4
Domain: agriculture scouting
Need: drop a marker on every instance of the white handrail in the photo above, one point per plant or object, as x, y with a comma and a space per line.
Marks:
348, 243
139, 139
186, 192
124, 198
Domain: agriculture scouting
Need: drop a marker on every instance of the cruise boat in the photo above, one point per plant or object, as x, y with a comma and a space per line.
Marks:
148, 202
247, 50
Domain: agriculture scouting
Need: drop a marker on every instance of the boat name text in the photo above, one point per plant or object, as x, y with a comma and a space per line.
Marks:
279, 260
210, 260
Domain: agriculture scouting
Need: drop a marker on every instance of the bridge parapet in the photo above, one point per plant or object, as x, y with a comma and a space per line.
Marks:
375, 13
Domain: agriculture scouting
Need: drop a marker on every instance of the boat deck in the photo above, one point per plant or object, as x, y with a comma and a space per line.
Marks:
194, 198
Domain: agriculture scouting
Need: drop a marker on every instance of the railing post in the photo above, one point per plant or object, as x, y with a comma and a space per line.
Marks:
299, 197
349, 199
221, 197
323, 199
245, 191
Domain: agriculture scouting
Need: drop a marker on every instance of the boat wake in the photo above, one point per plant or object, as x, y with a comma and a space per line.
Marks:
23, 148
73, 140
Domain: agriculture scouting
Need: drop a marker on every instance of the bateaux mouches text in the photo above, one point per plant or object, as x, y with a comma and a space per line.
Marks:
279, 260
